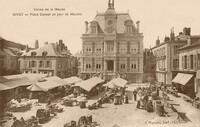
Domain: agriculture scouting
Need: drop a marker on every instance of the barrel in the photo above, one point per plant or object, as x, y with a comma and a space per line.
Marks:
82, 104
160, 109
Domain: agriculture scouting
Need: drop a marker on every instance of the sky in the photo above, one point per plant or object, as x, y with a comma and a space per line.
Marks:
156, 17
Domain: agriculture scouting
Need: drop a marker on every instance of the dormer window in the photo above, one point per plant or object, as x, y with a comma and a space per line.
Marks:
129, 29
128, 24
94, 25
44, 53
93, 29
33, 53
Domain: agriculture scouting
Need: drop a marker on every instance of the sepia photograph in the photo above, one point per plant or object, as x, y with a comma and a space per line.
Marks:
99, 63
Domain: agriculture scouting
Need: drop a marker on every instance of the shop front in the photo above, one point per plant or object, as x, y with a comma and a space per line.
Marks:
185, 83
197, 84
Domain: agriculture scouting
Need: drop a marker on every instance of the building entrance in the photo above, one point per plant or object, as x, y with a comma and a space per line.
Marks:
110, 65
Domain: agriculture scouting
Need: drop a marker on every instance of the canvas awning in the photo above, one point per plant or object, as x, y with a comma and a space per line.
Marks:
116, 82
119, 82
3, 87
90, 83
72, 80
182, 78
33, 77
35, 87
44, 86
109, 84
185, 79
178, 77
13, 83
56, 79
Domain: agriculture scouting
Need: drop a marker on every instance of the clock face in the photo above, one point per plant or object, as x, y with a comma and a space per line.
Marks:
110, 22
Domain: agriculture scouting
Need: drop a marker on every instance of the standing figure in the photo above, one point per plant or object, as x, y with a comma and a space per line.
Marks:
135, 95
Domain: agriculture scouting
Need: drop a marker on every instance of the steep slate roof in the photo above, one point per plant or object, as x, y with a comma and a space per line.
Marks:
121, 18
8, 51
195, 44
49, 48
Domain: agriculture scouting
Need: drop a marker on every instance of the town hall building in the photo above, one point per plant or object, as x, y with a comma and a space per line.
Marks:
112, 46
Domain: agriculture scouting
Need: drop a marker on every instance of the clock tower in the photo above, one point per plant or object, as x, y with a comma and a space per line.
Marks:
110, 19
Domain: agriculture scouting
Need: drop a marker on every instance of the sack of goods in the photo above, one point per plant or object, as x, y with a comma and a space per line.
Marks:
24, 105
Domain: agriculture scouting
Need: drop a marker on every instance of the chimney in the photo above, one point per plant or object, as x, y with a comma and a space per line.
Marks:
172, 35
27, 48
166, 38
186, 31
86, 26
138, 26
157, 41
46, 43
189, 41
36, 44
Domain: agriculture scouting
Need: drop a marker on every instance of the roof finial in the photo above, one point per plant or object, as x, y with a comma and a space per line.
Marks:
108, 3
113, 3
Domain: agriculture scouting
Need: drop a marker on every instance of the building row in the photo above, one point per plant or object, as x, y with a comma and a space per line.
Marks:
53, 59
178, 61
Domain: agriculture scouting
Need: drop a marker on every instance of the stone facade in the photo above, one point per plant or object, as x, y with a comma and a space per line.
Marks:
167, 58
112, 46
189, 56
52, 59
149, 65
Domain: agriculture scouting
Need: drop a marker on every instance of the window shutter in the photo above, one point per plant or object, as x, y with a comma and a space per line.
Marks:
183, 64
195, 62
188, 62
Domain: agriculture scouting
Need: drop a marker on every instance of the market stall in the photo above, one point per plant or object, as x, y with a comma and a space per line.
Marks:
72, 80
41, 88
90, 85
118, 82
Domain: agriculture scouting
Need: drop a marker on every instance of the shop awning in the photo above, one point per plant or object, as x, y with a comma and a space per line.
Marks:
72, 80
182, 78
178, 77
90, 83
185, 79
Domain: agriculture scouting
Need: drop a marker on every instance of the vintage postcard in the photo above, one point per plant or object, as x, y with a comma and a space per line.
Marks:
99, 63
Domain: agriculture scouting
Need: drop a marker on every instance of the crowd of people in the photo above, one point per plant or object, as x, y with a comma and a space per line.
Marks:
150, 100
